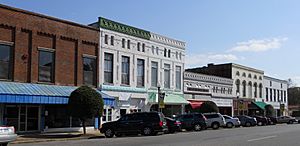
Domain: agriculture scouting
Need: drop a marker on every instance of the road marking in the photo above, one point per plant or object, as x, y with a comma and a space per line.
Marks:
267, 137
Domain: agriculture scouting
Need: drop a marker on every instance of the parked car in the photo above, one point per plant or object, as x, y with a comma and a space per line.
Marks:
145, 123
247, 121
261, 121
7, 135
215, 120
273, 120
192, 121
287, 119
173, 125
230, 121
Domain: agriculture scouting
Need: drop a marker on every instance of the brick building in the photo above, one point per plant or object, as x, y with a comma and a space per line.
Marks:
42, 60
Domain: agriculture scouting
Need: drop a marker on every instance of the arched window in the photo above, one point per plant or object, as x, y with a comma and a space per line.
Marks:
255, 90
237, 83
244, 74
260, 90
255, 77
250, 89
244, 88
237, 73
249, 76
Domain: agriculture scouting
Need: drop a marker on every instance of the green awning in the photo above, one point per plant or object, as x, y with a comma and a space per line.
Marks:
260, 104
169, 98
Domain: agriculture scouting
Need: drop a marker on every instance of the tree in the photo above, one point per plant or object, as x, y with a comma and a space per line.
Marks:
206, 107
294, 96
85, 103
269, 110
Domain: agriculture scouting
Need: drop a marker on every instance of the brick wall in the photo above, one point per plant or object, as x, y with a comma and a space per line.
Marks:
26, 32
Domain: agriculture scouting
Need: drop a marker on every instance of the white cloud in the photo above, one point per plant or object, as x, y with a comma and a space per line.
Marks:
258, 45
196, 60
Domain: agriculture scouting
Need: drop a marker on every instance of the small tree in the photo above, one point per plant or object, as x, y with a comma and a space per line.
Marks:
269, 110
85, 103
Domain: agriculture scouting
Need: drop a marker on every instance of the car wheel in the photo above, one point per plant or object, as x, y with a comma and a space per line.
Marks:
290, 122
229, 125
197, 127
259, 123
109, 133
215, 125
147, 131
248, 124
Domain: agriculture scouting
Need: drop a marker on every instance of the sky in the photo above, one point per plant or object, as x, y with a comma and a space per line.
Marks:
263, 34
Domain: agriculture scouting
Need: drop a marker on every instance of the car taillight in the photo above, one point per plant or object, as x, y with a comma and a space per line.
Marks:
177, 123
161, 123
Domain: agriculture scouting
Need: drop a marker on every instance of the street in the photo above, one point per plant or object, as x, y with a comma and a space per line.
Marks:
278, 135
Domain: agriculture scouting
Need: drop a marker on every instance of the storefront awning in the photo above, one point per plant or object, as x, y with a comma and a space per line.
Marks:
27, 93
169, 98
195, 103
260, 104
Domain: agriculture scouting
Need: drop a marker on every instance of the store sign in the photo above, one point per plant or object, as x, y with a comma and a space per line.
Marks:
161, 99
282, 107
222, 102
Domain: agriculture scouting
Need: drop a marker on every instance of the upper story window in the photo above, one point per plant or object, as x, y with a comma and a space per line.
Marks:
237, 73
128, 44
140, 72
154, 73
249, 76
108, 67
165, 52
267, 94
180, 55
125, 70
106, 39
143, 47
123, 43
255, 77
138, 46
46, 66
167, 76
5, 62
169, 53
89, 71
244, 74
112, 39
157, 50
281, 85
270, 83
176, 55
178, 77
260, 78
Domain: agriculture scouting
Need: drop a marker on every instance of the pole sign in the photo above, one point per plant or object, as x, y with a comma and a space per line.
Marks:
161, 102
282, 107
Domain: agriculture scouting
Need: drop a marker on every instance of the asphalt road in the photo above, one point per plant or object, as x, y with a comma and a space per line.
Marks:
278, 135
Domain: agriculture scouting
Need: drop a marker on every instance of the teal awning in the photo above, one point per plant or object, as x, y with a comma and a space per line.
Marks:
260, 104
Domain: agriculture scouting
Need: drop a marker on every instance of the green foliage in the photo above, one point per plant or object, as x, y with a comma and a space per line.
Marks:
206, 107
85, 103
270, 110
294, 96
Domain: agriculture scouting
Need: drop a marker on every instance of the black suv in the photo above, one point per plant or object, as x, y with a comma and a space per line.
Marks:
146, 123
192, 121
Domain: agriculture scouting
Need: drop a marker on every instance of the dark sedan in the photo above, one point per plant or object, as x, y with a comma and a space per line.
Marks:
261, 121
247, 121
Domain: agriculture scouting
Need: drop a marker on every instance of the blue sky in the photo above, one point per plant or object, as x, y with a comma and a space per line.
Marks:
263, 34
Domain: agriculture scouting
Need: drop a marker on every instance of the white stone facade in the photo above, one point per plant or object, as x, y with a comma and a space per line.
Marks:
279, 87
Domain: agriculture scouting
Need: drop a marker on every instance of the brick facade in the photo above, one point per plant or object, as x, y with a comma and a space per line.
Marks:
26, 32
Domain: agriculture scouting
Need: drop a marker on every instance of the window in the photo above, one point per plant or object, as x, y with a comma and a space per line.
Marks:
5, 62
143, 47
89, 71
281, 95
138, 46
46, 66
169, 53
244, 74
249, 76
112, 39
107, 114
260, 90
274, 95
278, 94
106, 39
125, 70
244, 88
167, 76
180, 55
153, 49
128, 44
140, 72
255, 77
281, 85
270, 83
284, 96
123, 43
157, 52
165, 52
237, 83
237, 73
267, 94
154, 74
255, 90
178, 77
108, 67
271, 96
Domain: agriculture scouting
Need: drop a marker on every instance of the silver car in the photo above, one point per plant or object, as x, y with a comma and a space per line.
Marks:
230, 121
215, 120
7, 134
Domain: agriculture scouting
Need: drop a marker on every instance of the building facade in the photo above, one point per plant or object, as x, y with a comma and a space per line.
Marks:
42, 60
247, 83
275, 94
200, 87
134, 63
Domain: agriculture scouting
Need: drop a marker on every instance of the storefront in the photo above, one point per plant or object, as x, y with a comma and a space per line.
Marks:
224, 104
240, 106
257, 108
36, 107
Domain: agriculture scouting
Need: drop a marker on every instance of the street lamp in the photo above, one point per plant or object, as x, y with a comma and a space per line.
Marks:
158, 95
237, 97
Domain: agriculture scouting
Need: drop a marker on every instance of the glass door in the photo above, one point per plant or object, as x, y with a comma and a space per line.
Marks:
32, 116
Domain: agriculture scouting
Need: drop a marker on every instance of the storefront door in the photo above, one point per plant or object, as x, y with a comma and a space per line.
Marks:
23, 117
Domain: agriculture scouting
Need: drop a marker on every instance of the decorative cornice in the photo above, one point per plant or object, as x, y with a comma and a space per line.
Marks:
122, 28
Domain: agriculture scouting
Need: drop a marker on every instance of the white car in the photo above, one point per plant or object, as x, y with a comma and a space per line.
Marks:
230, 121
7, 135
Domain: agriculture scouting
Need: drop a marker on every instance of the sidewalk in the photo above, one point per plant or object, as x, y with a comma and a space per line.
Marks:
45, 137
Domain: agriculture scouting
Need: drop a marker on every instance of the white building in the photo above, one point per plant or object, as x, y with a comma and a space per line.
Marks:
199, 87
275, 93
133, 63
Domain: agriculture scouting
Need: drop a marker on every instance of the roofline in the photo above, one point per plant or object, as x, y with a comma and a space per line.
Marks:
218, 77
46, 17
268, 77
242, 66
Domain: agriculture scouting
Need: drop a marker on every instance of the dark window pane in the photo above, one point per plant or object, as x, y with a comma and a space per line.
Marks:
89, 71
125, 70
108, 68
5, 72
140, 72
46, 66
154, 74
